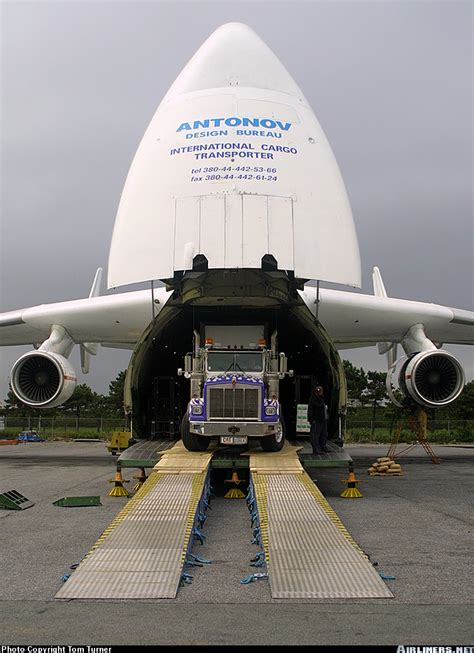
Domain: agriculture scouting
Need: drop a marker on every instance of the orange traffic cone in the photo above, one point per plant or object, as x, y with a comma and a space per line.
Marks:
118, 490
234, 492
351, 491
141, 478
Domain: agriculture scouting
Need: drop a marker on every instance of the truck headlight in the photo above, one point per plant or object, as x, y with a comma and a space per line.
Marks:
270, 410
196, 409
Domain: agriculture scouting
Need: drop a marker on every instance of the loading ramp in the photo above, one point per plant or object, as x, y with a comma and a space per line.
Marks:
308, 551
142, 553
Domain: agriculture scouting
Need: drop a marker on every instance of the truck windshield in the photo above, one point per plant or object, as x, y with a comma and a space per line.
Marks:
227, 361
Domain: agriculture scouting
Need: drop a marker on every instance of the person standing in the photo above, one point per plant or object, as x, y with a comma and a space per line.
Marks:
318, 418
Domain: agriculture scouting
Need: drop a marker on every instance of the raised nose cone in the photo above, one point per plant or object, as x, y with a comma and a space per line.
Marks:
234, 56
234, 166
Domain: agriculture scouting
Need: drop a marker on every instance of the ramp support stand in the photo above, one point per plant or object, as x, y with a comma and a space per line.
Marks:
417, 422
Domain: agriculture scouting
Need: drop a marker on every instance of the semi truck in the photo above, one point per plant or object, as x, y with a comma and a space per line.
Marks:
234, 388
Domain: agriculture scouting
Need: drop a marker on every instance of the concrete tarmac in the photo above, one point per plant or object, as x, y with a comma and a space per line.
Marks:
417, 527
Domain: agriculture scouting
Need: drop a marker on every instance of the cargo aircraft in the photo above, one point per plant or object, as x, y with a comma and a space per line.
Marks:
233, 212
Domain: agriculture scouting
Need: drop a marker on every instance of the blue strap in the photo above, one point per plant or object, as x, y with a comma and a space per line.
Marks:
386, 576
192, 563
258, 556
252, 577
198, 535
186, 578
256, 536
258, 563
199, 559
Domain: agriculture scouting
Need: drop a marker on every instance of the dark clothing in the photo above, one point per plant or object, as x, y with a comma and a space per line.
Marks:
319, 436
317, 417
316, 409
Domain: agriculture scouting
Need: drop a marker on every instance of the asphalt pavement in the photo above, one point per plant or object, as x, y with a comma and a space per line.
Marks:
417, 527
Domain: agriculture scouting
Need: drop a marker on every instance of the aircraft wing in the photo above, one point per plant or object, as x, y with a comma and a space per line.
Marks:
358, 320
352, 319
111, 319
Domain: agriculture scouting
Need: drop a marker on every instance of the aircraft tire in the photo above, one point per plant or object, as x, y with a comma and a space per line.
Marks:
191, 441
272, 442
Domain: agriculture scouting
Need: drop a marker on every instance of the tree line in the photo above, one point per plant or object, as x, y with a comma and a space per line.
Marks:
365, 390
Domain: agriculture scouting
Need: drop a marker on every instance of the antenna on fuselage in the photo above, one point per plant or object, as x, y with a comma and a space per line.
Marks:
317, 300
152, 300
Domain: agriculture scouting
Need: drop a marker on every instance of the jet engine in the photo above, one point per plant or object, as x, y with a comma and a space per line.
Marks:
43, 379
431, 378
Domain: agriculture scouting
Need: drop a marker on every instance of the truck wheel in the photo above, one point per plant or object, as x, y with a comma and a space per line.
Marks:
275, 442
191, 441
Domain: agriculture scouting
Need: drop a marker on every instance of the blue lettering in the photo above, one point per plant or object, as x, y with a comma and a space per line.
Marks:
279, 148
233, 122
255, 122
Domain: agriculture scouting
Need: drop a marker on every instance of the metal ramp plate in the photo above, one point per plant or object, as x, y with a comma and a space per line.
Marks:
142, 553
77, 502
144, 453
308, 551
336, 457
13, 500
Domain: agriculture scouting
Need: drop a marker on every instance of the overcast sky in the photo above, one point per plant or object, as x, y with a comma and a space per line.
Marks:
390, 82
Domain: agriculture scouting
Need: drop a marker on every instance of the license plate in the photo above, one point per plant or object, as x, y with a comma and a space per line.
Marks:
233, 439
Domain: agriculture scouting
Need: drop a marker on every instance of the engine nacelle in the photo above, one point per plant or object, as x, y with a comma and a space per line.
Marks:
431, 378
43, 379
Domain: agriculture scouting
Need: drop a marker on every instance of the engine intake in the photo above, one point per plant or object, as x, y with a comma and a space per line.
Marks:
432, 378
43, 379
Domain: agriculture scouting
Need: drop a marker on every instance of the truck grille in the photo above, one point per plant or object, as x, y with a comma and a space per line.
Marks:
230, 403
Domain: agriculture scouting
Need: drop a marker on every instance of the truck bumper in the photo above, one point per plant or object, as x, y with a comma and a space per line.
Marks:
248, 429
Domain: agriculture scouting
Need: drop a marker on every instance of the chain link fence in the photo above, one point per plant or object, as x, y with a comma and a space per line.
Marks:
442, 431
63, 427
